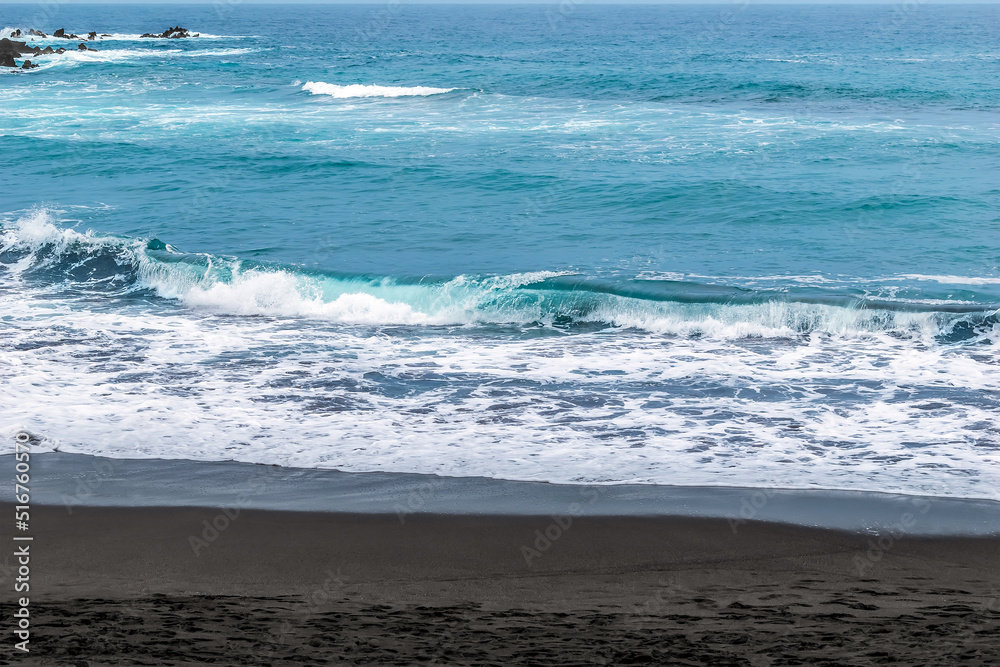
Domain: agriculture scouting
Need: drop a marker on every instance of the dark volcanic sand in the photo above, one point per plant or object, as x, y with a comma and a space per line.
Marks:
120, 586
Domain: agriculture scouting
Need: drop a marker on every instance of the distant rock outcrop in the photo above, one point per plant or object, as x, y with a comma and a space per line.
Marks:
61, 32
172, 33
16, 48
9, 50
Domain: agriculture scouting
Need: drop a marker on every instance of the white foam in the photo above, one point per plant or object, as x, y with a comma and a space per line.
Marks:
361, 90
465, 300
228, 286
218, 52
589, 407
953, 280
866, 408
279, 293
36, 230
75, 56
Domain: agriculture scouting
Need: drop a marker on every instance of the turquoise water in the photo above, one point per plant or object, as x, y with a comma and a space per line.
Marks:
735, 244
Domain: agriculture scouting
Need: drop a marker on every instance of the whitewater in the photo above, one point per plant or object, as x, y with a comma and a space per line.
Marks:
461, 244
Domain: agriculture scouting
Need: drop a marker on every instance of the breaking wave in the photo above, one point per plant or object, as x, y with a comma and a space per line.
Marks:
36, 250
361, 90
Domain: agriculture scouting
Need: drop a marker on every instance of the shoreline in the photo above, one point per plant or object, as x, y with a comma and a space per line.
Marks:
79, 480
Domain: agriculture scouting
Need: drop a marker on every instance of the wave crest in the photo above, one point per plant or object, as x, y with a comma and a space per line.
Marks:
34, 248
362, 90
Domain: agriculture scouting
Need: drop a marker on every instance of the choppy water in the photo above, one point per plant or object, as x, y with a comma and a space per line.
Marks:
728, 245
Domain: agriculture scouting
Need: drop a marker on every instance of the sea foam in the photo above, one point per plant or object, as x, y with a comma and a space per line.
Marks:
361, 90
235, 286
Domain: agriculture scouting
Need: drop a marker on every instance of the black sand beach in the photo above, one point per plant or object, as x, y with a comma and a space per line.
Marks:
664, 334
181, 586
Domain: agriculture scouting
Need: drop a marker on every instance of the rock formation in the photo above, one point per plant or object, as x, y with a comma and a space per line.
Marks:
9, 50
172, 33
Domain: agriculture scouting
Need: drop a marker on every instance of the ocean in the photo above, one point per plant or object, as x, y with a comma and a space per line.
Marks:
722, 245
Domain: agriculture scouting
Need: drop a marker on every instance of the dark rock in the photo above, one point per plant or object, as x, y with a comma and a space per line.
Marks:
60, 50
105, 35
91, 35
176, 32
27, 65
47, 51
37, 33
74, 36
61, 32
7, 60
82, 47
15, 48
16, 33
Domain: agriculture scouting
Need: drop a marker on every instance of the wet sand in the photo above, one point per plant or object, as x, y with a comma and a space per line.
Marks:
60, 478
181, 586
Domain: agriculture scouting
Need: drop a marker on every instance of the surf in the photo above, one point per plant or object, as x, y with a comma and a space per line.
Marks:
37, 251
368, 90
